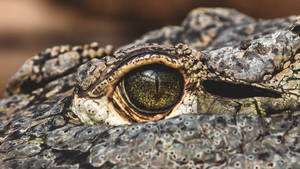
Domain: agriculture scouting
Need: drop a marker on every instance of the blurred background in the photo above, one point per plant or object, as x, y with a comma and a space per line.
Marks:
27, 27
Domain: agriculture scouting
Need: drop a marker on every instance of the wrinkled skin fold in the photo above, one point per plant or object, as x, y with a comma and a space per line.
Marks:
239, 109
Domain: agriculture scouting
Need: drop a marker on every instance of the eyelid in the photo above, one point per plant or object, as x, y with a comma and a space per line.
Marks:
115, 78
118, 70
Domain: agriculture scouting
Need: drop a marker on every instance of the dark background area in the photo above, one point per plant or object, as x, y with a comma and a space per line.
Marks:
27, 27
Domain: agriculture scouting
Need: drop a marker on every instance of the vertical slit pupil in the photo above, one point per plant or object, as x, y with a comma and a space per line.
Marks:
156, 84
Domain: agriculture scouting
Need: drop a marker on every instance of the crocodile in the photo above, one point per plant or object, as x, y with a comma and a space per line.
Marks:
221, 90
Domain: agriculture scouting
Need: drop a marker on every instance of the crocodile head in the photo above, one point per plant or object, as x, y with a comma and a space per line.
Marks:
221, 90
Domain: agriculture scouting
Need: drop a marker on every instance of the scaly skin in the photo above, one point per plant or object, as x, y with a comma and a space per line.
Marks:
60, 110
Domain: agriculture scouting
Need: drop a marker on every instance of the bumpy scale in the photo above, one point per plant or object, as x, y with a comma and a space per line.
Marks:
239, 106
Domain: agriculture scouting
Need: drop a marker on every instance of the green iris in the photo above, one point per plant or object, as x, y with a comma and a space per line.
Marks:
153, 88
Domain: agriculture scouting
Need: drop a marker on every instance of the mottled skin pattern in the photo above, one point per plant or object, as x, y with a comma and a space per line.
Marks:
219, 50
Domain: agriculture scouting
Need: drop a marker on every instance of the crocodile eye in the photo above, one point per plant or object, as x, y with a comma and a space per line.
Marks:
150, 90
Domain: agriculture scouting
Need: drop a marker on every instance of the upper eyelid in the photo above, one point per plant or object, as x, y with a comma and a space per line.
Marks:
117, 75
133, 60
